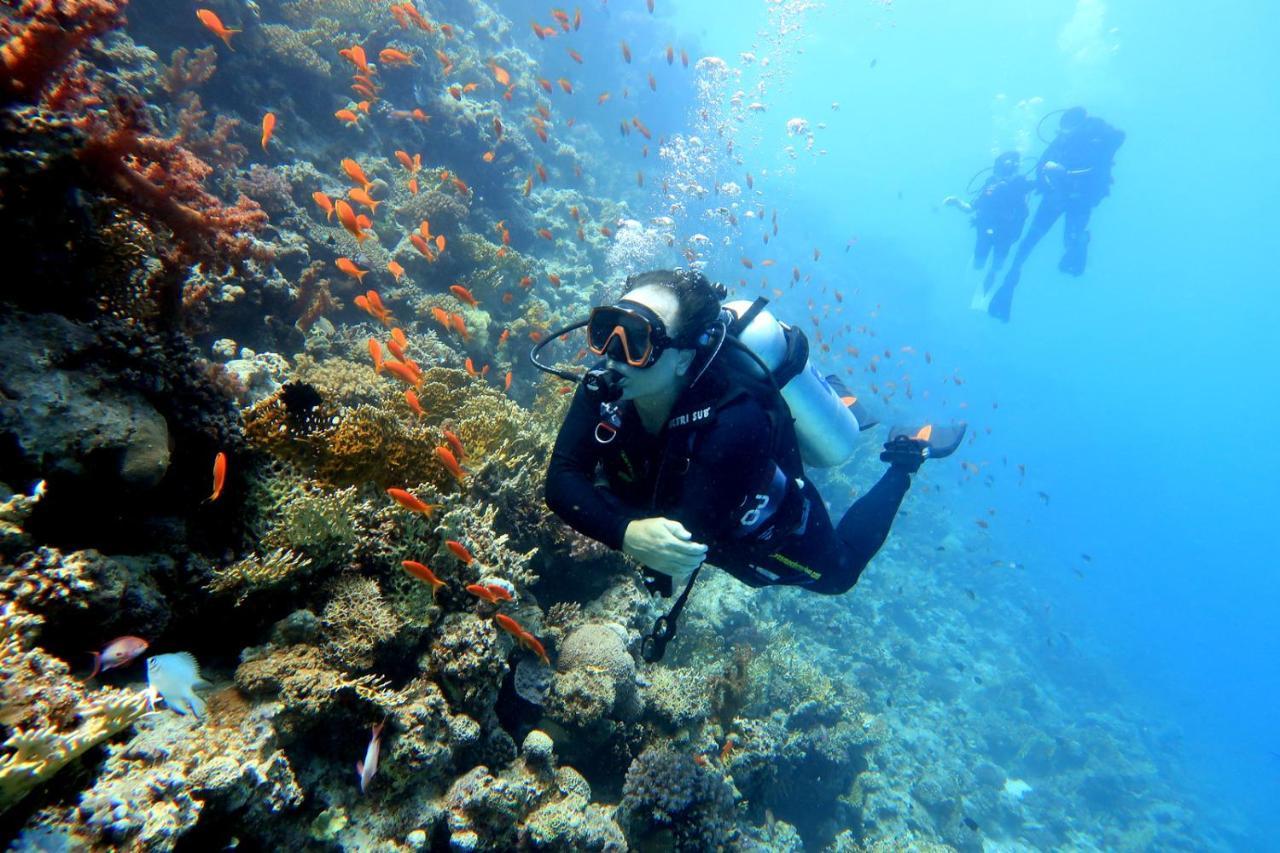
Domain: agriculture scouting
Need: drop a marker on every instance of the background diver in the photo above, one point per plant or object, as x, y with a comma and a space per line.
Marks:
688, 444
1072, 177
999, 210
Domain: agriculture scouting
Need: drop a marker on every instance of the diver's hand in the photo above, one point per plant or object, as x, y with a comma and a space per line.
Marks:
664, 546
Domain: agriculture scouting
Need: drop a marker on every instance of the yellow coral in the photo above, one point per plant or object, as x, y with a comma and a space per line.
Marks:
40, 751
257, 572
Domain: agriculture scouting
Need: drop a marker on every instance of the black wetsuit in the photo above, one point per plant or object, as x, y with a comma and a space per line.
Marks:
999, 212
1085, 156
716, 461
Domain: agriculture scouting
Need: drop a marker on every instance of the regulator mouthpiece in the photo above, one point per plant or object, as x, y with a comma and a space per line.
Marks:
603, 384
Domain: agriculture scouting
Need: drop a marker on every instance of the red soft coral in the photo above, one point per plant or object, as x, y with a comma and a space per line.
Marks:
44, 36
164, 181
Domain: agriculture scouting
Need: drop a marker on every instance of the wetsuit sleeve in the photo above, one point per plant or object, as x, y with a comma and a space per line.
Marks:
571, 490
731, 461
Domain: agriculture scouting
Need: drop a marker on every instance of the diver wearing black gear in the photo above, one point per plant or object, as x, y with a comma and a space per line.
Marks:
1072, 177
696, 452
999, 211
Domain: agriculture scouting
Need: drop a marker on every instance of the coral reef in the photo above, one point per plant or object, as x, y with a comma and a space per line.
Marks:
53, 718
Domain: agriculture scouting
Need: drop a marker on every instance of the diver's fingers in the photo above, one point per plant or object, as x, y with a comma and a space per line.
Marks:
687, 549
677, 529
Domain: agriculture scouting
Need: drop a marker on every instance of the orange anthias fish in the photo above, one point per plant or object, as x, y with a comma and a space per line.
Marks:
356, 173
349, 267
414, 403
422, 573
421, 245
347, 116
395, 269
391, 56
506, 382
454, 442
500, 592
412, 503
481, 592
347, 217
359, 196
460, 551
500, 74
324, 203
450, 462
463, 294
268, 125
507, 624
356, 56
214, 25
219, 475
375, 352
403, 372
531, 643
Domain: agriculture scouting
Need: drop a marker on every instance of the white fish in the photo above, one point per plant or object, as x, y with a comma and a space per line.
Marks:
175, 677
366, 769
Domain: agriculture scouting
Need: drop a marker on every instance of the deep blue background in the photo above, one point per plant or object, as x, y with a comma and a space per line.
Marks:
1142, 396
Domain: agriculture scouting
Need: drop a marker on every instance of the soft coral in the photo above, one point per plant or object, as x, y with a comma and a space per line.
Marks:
43, 36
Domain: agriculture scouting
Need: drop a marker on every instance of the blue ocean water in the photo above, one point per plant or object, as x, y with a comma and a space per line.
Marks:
1140, 396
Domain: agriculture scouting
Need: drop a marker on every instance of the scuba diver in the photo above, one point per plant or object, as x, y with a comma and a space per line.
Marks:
1072, 177
999, 210
688, 442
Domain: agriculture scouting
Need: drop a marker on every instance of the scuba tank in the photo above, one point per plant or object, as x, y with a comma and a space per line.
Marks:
826, 427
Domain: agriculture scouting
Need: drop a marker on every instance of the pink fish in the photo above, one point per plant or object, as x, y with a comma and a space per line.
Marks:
366, 769
118, 652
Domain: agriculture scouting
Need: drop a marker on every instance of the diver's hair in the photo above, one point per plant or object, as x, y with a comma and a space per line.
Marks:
698, 298
1072, 117
1006, 164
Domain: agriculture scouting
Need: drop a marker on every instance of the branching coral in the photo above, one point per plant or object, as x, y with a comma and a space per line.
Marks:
357, 621
256, 572
188, 70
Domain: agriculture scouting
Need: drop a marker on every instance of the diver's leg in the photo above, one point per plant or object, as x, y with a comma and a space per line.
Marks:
1000, 251
1075, 238
1046, 214
863, 530
981, 247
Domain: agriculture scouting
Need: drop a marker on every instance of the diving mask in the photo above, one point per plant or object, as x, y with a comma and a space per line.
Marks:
627, 331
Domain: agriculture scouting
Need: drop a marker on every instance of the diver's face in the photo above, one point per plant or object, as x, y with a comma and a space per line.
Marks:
667, 373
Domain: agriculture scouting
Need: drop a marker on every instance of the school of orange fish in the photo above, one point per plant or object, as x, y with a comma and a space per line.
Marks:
396, 361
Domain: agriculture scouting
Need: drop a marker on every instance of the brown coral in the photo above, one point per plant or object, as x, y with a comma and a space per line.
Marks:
186, 71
